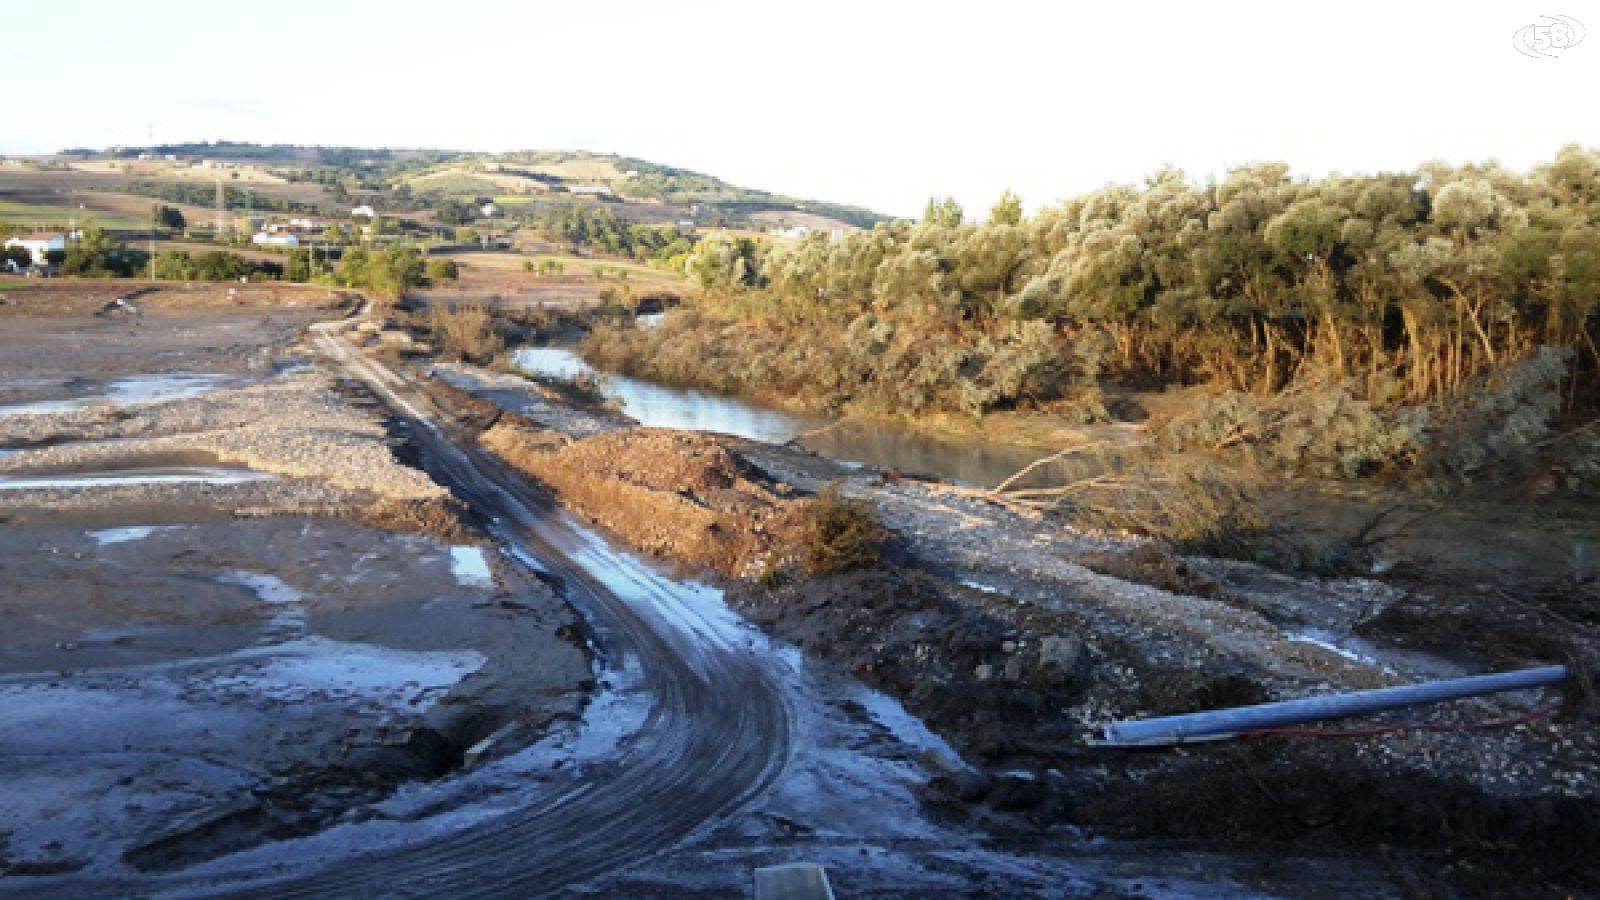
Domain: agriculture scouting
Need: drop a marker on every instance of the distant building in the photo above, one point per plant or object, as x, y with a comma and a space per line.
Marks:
367, 211
631, 173
590, 190
263, 239
39, 243
489, 211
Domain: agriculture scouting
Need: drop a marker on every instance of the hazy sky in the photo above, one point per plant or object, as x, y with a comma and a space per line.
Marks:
880, 104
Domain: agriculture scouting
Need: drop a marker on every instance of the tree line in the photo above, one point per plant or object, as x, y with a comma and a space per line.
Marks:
1420, 280
1409, 290
598, 228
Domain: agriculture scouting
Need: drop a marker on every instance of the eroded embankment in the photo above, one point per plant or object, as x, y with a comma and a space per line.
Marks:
995, 629
680, 495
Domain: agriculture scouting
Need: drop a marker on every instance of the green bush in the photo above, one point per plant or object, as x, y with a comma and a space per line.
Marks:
836, 534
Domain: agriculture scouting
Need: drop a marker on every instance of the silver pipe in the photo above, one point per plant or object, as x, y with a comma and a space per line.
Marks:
1215, 725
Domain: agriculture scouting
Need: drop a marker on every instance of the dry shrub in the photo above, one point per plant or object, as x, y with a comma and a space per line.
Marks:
1320, 426
1198, 507
464, 330
836, 534
1502, 426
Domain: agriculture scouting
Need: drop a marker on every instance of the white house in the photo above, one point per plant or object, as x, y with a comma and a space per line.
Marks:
489, 210
367, 211
264, 239
589, 190
39, 243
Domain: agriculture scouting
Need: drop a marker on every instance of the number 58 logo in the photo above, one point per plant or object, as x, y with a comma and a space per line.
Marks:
1562, 33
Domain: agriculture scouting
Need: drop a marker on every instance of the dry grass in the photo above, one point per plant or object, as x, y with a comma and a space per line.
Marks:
465, 330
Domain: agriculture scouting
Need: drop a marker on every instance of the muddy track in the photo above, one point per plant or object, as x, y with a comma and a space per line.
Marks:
715, 737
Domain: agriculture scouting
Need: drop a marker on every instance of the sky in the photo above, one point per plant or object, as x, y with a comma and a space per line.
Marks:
881, 104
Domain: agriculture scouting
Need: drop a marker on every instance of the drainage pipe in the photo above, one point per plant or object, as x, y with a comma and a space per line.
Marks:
1216, 725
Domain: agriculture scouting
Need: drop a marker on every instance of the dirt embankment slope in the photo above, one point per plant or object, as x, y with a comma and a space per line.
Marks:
680, 495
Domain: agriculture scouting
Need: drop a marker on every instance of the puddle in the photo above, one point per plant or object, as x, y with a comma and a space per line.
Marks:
470, 567
137, 390
1353, 649
153, 475
320, 669
108, 536
908, 729
284, 625
978, 585
268, 588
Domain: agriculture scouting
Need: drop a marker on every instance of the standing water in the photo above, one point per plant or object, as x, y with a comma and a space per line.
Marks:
874, 443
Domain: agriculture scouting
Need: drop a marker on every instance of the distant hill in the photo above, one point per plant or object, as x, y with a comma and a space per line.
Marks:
548, 174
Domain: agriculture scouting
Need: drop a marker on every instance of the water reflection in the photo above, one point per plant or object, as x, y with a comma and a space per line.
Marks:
883, 444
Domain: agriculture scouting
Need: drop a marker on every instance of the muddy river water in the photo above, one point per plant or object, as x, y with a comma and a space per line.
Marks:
875, 443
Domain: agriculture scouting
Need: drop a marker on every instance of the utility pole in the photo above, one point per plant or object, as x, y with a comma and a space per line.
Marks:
220, 207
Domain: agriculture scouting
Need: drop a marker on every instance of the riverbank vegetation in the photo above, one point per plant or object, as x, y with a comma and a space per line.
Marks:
1445, 320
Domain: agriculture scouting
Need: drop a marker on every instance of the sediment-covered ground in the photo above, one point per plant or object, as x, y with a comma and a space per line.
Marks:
1017, 638
232, 611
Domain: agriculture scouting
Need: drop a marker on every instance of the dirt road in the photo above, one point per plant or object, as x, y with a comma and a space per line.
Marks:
715, 736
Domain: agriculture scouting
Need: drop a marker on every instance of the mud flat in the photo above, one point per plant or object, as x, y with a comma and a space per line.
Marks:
232, 613
1016, 637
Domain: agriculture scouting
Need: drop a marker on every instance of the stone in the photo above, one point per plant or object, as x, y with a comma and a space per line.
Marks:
1063, 651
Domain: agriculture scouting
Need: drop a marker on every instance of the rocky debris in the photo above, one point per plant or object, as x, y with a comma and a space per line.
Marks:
533, 401
294, 425
1000, 677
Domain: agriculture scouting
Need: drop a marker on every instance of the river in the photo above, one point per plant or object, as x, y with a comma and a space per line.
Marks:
884, 444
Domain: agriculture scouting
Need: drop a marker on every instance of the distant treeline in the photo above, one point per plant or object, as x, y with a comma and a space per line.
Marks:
1411, 293
598, 228
685, 188
206, 195
387, 272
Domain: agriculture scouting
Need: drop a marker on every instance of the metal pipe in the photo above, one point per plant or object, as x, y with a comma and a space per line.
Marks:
1219, 724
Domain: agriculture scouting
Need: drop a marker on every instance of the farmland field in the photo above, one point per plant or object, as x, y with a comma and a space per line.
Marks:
35, 215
